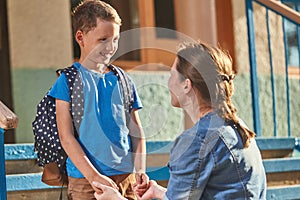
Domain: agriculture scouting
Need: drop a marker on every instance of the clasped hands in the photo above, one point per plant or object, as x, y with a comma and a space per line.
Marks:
143, 188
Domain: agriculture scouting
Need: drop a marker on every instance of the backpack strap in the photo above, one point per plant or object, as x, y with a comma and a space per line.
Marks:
76, 95
126, 84
75, 86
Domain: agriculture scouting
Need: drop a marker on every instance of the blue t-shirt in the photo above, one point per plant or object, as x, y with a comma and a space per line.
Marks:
103, 133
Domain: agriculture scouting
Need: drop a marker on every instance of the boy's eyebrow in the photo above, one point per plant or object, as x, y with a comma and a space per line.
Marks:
108, 36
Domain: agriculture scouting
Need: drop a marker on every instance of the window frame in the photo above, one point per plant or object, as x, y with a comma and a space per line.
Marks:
294, 71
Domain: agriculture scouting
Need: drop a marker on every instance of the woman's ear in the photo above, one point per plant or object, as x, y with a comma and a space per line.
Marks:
187, 85
79, 37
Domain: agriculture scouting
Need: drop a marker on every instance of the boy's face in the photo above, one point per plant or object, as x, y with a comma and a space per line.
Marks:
99, 44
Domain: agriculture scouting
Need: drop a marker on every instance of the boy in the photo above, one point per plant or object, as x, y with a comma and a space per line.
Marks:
105, 149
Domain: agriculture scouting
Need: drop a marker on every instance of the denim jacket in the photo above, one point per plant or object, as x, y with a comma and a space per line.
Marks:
209, 161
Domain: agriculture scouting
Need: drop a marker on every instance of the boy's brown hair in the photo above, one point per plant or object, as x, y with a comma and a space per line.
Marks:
85, 15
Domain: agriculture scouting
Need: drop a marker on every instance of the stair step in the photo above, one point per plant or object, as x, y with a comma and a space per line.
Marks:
287, 170
22, 166
283, 192
19, 151
38, 194
282, 171
32, 180
20, 158
276, 147
281, 164
35, 189
29, 186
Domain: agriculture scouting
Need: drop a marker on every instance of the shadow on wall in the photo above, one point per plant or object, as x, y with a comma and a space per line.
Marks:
160, 120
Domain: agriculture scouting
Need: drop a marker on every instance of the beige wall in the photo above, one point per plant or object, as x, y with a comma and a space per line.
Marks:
39, 33
241, 39
48, 43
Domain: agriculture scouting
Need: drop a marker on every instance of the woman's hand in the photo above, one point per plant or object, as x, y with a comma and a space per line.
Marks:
154, 191
104, 180
107, 193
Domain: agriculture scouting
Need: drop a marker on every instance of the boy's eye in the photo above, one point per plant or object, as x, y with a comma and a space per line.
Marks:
107, 40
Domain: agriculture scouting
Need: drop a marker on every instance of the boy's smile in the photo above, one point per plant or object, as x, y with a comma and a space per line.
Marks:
99, 44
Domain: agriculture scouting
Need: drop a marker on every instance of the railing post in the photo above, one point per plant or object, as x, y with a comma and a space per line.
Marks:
286, 52
8, 120
253, 71
2, 167
272, 74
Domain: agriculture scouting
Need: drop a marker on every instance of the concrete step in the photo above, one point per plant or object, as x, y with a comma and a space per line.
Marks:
283, 172
280, 171
48, 194
20, 158
29, 186
36, 190
283, 192
276, 147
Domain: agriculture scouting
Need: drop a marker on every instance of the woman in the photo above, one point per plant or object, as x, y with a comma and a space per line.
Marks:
217, 158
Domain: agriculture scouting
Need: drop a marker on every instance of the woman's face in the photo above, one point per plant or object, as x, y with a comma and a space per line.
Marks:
175, 85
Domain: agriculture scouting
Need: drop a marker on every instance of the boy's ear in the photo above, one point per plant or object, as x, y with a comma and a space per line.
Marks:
79, 37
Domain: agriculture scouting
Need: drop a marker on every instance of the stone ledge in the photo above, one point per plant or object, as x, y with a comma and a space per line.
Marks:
283, 192
29, 181
281, 165
19, 151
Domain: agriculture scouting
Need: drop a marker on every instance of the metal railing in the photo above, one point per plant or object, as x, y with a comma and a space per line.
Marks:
2, 167
8, 120
292, 16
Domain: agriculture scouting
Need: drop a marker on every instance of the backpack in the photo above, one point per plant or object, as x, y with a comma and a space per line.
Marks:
50, 153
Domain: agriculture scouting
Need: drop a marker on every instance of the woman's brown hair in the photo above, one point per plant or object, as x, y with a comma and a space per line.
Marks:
210, 71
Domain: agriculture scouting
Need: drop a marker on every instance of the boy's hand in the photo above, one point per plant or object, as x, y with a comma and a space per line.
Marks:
142, 183
142, 178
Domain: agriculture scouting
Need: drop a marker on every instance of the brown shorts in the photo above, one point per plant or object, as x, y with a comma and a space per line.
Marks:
80, 188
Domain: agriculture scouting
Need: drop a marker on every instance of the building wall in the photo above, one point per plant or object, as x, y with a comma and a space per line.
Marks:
241, 39
160, 120
263, 70
40, 42
39, 33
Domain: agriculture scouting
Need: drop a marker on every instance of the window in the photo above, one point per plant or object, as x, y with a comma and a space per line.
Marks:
292, 31
164, 18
